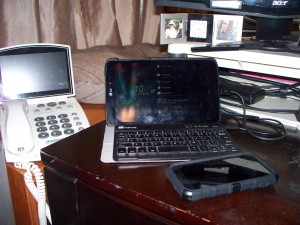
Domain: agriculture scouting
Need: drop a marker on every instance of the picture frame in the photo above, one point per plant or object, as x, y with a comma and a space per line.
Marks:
227, 28
200, 28
173, 28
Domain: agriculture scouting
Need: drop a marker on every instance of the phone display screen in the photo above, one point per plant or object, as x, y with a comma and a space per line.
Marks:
31, 72
220, 171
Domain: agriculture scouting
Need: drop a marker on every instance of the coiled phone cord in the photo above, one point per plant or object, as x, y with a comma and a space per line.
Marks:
38, 191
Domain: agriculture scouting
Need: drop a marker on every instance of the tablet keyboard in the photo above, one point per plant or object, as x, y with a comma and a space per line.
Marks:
171, 143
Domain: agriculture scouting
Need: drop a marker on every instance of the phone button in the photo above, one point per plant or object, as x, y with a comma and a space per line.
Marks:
43, 135
56, 133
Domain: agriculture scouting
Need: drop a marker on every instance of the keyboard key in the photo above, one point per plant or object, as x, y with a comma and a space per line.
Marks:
156, 144
173, 149
124, 144
137, 144
132, 152
152, 150
166, 143
121, 151
194, 148
203, 148
142, 151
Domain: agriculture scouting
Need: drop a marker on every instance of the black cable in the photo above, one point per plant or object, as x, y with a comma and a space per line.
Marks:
277, 125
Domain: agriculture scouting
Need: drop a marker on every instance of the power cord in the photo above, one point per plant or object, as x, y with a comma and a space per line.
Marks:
277, 125
38, 191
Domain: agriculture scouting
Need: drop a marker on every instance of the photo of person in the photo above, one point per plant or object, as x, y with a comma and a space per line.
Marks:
227, 28
173, 29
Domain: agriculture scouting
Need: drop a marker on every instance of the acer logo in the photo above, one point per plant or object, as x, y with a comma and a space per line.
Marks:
280, 2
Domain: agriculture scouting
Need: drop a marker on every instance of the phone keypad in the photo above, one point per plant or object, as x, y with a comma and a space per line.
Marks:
54, 121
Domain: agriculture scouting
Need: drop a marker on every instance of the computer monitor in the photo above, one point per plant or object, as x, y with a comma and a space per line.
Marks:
274, 18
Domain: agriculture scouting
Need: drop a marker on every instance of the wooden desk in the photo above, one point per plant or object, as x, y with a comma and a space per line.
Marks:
25, 206
82, 190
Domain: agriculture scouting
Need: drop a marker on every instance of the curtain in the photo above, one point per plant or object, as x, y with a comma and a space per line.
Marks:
79, 23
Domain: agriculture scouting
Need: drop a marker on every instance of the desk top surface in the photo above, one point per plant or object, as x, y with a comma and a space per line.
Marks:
147, 186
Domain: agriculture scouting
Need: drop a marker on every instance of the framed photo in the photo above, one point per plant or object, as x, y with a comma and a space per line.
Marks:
200, 28
173, 28
227, 28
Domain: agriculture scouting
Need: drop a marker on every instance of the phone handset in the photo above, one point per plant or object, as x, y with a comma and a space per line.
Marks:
16, 130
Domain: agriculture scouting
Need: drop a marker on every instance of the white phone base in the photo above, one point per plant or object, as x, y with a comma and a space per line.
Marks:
50, 121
